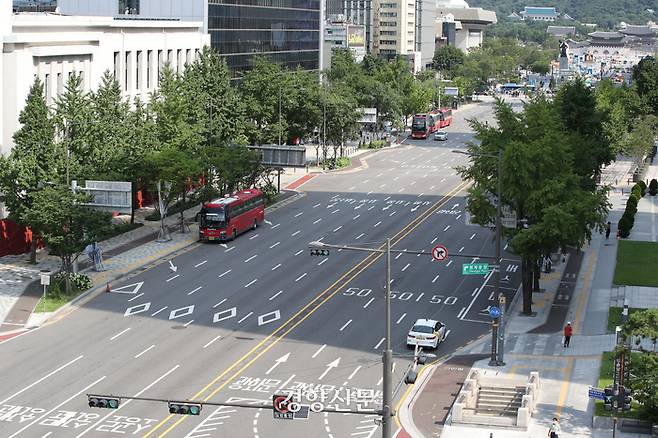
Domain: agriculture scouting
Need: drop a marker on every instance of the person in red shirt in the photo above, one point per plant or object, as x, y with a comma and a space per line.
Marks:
568, 331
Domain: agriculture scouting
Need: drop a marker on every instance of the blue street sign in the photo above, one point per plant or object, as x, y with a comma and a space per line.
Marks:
596, 393
494, 312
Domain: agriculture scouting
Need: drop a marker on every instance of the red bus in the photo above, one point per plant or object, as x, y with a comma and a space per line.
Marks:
224, 218
445, 117
425, 124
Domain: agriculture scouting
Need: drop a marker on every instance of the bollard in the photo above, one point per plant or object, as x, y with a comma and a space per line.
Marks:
108, 287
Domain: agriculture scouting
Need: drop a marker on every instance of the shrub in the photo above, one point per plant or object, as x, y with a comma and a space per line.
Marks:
631, 204
653, 187
79, 283
624, 226
630, 217
637, 190
643, 187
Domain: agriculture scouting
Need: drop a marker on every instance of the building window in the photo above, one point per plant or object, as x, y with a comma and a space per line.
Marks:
46, 87
138, 67
60, 83
116, 66
188, 56
388, 14
129, 7
160, 64
149, 68
179, 61
82, 79
126, 72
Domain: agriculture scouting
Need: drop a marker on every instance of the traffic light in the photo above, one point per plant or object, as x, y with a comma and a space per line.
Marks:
319, 252
609, 397
183, 408
98, 401
625, 399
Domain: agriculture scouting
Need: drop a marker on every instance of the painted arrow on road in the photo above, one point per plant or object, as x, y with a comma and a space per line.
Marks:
278, 362
172, 267
331, 365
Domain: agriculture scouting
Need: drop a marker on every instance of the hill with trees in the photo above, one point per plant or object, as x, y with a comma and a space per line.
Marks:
605, 13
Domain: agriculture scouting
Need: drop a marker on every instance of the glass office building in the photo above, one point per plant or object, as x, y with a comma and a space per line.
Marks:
286, 31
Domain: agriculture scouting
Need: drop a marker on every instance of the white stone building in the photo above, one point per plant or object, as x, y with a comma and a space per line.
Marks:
53, 46
460, 25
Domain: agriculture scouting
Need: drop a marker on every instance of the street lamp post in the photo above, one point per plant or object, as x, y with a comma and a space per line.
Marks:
498, 345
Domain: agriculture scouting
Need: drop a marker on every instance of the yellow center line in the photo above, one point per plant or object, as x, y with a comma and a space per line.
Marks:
283, 330
584, 292
564, 390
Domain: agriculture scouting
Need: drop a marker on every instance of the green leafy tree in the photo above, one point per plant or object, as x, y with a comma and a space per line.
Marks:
540, 67
301, 104
233, 168
73, 122
33, 160
540, 183
447, 58
341, 117
67, 225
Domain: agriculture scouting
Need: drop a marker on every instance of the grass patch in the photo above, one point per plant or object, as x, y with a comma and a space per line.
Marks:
343, 162
54, 302
614, 316
605, 379
636, 263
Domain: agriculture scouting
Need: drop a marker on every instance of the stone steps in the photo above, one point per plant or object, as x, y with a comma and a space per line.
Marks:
500, 401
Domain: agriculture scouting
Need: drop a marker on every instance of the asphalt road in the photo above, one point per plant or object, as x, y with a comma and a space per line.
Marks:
259, 316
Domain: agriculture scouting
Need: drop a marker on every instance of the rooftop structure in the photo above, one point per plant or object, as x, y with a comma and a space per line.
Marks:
539, 13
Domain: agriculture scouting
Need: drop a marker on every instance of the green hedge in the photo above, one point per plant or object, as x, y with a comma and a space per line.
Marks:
653, 187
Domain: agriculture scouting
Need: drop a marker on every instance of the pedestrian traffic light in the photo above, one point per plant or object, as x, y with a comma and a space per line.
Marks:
319, 252
609, 397
625, 398
101, 401
183, 408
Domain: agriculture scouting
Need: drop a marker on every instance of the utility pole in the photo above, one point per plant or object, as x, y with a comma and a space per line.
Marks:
387, 397
499, 231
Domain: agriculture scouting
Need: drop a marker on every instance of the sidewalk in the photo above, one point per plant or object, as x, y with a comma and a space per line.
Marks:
535, 343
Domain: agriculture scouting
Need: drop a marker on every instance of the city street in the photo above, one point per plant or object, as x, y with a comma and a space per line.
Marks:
260, 316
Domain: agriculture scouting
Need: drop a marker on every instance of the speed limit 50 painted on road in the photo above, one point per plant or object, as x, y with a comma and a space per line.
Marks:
439, 253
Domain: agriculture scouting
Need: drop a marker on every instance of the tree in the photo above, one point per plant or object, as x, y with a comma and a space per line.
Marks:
639, 141
341, 116
540, 67
418, 100
33, 160
645, 77
73, 121
540, 183
67, 225
447, 58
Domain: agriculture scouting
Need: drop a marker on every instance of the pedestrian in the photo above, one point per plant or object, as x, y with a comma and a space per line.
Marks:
568, 331
554, 430
608, 227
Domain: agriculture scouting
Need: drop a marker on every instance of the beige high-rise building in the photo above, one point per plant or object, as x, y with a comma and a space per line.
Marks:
394, 27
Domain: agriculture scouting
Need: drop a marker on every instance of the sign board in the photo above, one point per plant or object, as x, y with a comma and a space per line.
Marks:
451, 91
108, 195
494, 312
356, 36
281, 407
286, 155
597, 393
439, 253
508, 219
45, 279
475, 268
367, 115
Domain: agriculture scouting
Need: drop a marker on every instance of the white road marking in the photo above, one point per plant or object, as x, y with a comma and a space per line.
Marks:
191, 292
335, 211
449, 263
461, 249
459, 315
212, 340
371, 207
225, 314
359, 236
188, 323
269, 317
226, 272
295, 233
356, 370
183, 311
412, 183
420, 296
457, 218
46, 414
119, 334
136, 296
356, 217
336, 229
41, 379
435, 278
145, 351
330, 365
274, 226
155, 313
446, 228
275, 245
137, 309
220, 303
316, 221
378, 223
323, 260
420, 195
406, 266
275, 295
443, 180
201, 263
232, 248
317, 205
368, 303
127, 402
476, 291
400, 318
319, 350
381, 341
276, 267
471, 238
351, 188
245, 317
277, 362
299, 214
301, 276
251, 282
486, 279
392, 213
251, 258
172, 278
506, 245
345, 325
254, 236
299, 252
